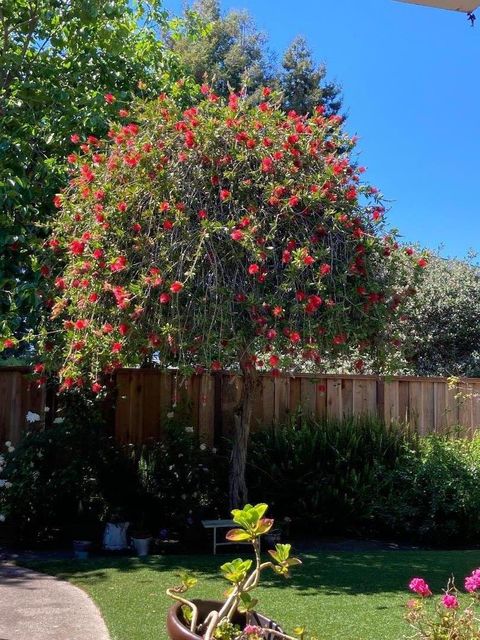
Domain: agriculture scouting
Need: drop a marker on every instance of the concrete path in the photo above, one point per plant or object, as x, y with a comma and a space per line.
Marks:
34, 606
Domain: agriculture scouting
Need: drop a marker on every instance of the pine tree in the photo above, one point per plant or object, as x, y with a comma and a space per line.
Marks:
303, 82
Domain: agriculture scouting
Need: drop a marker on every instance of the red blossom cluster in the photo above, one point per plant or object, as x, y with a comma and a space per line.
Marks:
216, 234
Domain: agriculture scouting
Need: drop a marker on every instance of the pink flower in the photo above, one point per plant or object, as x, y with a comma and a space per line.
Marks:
420, 587
252, 629
449, 601
472, 582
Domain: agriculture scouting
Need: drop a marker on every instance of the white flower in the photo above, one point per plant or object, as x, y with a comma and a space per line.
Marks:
58, 420
2, 517
2, 482
47, 409
170, 414
180, 455
32, 417
11, 449
8, 443
184, 496
214, 450
203, 446
189, 429
8, 485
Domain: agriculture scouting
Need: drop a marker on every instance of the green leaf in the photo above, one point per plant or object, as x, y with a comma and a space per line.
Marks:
238, 535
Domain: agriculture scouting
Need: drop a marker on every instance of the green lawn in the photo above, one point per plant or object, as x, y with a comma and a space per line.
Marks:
345, 596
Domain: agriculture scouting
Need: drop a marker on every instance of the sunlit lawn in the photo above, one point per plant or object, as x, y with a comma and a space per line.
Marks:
338, 596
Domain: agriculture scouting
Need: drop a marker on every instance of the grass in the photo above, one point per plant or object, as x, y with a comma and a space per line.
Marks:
359, 596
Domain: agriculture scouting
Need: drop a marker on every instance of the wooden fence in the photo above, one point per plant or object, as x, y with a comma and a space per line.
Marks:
18, 395
146, 400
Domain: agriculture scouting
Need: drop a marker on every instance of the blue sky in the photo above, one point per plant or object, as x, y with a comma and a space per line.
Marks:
411, 84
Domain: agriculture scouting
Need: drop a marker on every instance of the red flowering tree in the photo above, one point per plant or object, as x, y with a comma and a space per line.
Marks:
227, 236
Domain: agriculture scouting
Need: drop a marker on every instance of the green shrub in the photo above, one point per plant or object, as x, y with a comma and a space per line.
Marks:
325, 472
360, 477
433, 493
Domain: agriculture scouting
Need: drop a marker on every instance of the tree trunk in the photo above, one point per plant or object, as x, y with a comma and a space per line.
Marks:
238, 487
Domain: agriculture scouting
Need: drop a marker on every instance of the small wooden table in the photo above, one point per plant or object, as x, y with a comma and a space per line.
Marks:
219, 524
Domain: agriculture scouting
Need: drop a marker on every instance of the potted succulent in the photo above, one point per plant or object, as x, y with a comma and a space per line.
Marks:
235, 617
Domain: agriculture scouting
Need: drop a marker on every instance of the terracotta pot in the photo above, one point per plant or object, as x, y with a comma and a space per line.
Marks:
178, 631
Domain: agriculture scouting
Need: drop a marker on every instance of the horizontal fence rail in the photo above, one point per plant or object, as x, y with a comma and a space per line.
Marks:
147, 400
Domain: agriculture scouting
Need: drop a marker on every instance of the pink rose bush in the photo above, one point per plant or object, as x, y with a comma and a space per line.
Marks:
446, 618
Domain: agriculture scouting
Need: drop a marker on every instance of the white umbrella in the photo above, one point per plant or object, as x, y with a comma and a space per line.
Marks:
454, 5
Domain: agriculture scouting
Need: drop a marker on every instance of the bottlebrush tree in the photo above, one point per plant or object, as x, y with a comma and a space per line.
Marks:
224, 236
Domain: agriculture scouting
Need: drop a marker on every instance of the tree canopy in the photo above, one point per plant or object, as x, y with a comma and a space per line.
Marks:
226, 235
58, 59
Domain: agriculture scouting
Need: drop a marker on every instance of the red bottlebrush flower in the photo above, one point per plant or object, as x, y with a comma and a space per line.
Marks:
293, 201
167, 225
267, 165
422, 263
409, 251
237, 235
107, 328
92, 139
109, 98
216, 366
253, 269
81, 324
273, 360
224, 194
77, 247
295, 337
123, 113
60, 283
271, 334
78, 345
315, 301
176, 287
57, 201
164, 206
189, 137
123, 329
359, 365
240, 297
93, 297
233, 101
99, 194
116, 347
264, 107
118, 264
122, 207
325, 269
277, 311
136, 228
96, 387
72, 158
45, 271
205, 89
39, 368
97, 254
267, 142
8, 343
75, 138
286, 256
308, 260
164, 298
300, 296
340, 338
351, 194
202, 214
266, 91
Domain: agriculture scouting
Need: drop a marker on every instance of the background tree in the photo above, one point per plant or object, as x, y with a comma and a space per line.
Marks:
303, 83
234, 54
58, 58
224, 236
443, 326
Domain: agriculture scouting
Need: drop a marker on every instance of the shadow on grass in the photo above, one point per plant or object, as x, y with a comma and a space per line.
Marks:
326, 573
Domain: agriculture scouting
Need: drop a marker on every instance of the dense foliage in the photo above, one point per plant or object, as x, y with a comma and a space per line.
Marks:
219, 235
69, 479
233, 54
360, 477
443, 324
59, 62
